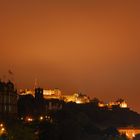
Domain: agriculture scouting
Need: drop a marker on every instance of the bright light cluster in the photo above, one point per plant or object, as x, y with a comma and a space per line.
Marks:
111, 104
2, 129
31, 119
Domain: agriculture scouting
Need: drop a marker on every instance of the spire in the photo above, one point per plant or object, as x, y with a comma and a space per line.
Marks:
36, 83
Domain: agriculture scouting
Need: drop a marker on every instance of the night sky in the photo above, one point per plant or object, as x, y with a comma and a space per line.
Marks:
90, 47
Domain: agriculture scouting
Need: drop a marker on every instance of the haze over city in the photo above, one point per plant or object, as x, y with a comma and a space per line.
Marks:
90, 47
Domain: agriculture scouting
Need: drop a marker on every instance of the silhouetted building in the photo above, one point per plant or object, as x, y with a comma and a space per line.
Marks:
39, 101
53, 104
26, 105
8, 99
39, 94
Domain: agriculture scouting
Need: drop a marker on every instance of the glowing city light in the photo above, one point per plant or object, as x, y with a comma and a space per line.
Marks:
29, 119
41, 118
2, 129
1, 125
123, 105
21, 118
78, 102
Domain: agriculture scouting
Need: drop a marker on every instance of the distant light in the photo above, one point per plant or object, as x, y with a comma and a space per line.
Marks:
29, 119
21, 118
133, 134
123, 105
78, 102
2, 129
46, 117
101, 104
41, 118
1, 125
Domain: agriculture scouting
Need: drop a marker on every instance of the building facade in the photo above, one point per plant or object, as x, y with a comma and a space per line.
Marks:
8, 99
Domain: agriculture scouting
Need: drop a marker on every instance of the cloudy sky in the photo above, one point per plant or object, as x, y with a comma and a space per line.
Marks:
88, 46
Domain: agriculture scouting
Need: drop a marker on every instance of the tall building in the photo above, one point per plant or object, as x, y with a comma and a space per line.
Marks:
39, 101
39, 94
8, 99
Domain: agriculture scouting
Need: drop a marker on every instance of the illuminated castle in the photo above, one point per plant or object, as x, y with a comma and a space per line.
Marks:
57, 94
52, 94
77, 98
120, 104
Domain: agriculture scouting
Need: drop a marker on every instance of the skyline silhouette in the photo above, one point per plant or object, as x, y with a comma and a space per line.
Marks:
91, 47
